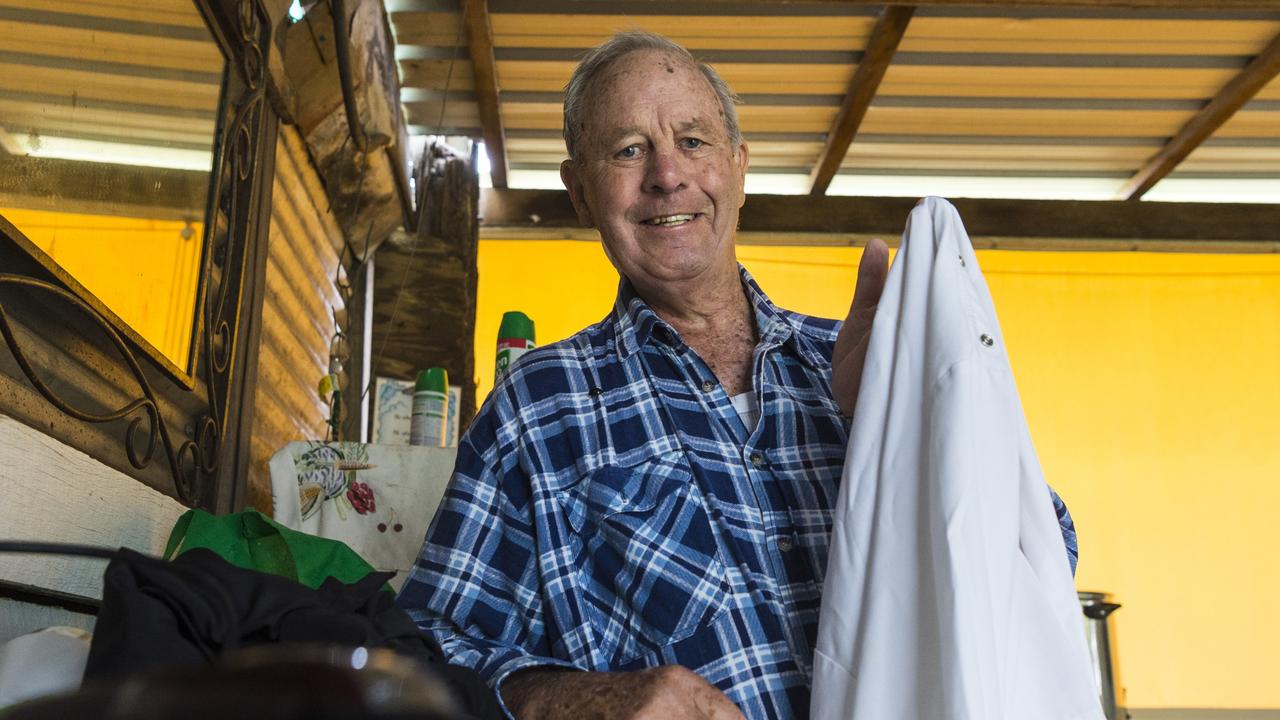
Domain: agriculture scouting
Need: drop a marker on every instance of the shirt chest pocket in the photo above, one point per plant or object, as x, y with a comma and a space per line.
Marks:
648, 562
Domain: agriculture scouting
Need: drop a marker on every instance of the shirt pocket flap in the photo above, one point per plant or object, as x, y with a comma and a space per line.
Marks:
613, 489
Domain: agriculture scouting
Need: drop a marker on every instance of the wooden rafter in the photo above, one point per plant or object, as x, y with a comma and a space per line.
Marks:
485, 69
545, 212
1095, 4
881, 46
1260, 71
76, 186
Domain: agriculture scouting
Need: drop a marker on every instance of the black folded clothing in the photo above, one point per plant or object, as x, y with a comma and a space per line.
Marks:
158, 615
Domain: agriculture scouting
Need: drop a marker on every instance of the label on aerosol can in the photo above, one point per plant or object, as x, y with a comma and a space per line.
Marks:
515, 338
430, 408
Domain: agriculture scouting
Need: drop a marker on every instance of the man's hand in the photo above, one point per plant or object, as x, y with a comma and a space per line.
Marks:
851, 344
669, 692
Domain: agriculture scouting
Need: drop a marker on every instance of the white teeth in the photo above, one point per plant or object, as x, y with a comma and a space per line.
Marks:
669, 220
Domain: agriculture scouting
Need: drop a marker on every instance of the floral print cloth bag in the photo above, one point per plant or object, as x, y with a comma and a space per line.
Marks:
378, 499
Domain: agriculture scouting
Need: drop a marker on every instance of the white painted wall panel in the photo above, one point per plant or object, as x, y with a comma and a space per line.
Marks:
52, 492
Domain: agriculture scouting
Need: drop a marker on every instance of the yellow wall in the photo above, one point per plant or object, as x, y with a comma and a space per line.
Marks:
1151, 384
143, 270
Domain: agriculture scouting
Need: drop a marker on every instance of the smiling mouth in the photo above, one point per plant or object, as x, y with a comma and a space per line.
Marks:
669, 220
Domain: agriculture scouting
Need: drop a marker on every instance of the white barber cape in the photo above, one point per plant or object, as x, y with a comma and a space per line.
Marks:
948, 592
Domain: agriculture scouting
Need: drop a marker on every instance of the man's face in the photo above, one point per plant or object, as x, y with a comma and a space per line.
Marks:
657, 173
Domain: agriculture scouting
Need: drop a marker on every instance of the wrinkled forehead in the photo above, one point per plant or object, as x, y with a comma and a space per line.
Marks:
613, 86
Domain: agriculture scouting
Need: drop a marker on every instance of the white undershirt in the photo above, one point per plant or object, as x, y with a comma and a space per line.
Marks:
748, 409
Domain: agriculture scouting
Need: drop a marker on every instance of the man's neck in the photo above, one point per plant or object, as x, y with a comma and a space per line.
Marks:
694, 309
717, 321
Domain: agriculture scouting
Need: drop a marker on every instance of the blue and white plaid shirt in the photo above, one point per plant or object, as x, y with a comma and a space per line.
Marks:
610, 511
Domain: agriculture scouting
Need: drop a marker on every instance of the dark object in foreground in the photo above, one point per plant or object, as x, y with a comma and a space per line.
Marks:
165, 623
275, 683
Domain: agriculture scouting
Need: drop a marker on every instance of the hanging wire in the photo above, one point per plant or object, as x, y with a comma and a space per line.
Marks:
338, 339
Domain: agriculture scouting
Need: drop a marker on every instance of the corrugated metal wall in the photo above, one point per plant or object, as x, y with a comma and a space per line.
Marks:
297, 315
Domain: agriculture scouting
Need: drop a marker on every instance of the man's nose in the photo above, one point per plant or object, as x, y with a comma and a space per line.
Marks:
665, 172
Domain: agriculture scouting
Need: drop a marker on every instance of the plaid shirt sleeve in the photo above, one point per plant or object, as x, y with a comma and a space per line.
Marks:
475, 586
1068, 527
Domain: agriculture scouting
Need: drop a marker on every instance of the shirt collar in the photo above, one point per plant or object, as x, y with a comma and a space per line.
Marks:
637, 324
777, 326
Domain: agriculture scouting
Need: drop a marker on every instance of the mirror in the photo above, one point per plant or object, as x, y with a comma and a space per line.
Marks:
108, 115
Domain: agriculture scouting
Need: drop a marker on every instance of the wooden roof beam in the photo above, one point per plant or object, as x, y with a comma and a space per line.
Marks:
485, 69
549, 214
1120, 4
1260, 71
1197, 5
890, 26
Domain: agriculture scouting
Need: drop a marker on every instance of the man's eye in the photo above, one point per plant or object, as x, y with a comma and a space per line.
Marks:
629, 152
691, 143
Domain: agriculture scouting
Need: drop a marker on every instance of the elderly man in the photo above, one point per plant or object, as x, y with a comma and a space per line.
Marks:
638, 522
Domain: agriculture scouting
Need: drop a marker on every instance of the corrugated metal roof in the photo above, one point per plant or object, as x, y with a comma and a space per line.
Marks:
138, 72
1036, 91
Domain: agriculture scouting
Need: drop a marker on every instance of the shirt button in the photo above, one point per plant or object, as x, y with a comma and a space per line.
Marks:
708, 386
757, 459
785, 544
987, 340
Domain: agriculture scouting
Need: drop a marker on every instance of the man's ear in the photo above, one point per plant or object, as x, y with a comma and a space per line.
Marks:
743, 159
577, 195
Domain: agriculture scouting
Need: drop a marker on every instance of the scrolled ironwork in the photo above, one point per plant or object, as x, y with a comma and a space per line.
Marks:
243, 154
147, 404
252, 66
194, 453
130, 449
232, 192
202, 452
219, 347
249, 23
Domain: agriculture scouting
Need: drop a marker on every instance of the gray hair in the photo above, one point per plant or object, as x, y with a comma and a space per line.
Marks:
601, 58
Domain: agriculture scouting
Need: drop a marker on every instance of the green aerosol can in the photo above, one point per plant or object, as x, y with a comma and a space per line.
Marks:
430, 408
515, 338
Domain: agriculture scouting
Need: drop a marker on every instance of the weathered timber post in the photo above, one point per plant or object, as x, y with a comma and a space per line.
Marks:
424, 310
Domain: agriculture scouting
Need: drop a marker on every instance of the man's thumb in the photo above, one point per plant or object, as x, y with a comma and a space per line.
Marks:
872, 271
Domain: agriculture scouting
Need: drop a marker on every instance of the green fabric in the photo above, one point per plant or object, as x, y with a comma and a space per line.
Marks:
254, 541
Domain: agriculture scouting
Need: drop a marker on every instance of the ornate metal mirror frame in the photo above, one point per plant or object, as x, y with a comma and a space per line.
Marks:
73, 371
